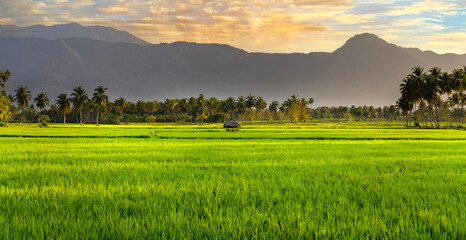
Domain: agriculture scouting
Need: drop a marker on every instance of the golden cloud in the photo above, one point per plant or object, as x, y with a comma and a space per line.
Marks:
319, 2
424, 6
6, 21
254, 25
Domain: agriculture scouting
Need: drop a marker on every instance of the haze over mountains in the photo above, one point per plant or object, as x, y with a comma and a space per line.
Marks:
71, 30
366, 70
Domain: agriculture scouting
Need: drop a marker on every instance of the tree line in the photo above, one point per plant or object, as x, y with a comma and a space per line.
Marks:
81, 107
426, 97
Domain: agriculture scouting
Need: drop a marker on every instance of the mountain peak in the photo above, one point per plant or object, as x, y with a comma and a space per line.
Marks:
363, 41
367, 37
71, 24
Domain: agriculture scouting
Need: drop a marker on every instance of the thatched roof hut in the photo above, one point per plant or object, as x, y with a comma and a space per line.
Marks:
232, 124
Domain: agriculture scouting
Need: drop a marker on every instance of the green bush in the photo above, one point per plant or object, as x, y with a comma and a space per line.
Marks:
150, 119
44, 118
130, 118
44, 121
216, 118
113, 119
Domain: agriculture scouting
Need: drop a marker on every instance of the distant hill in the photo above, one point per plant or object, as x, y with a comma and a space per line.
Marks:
71, 30
366, 70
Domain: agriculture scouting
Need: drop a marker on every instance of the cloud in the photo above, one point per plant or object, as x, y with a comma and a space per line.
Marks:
319, 2
253, 25
355, 18
445, 42
424, 6
6, 21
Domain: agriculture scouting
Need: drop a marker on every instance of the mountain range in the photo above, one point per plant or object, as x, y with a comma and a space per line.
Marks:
366, 70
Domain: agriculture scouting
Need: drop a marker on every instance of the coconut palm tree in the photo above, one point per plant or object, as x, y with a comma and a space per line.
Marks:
201, 107
459, 85
100, 99
418, 77
404, 106
42, 101
261, 104
446, 83
411, 87
181, 107
458, 80
22, 97
64, 105
462, 100
273, 107
79, 98
311, 101
121, 104
141, 108
241, 106
4, 82
431, 92
171, 105
212, 105
230, 106
250, 101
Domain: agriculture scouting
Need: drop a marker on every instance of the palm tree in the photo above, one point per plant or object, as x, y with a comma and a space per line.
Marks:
250, 101
230, 106
418, 77
100, 99
141, 108
181, 107
446, 83
261, 104
431, 90
311, 101
4, 82
88, 110
42, 101
150, 107
459, 85
22, 97
273, 109
121, 104
64, 105
212, 105
171, 105
462, 100
411, 87
201, 107
79, 98
404, 106
241, 106
457, 80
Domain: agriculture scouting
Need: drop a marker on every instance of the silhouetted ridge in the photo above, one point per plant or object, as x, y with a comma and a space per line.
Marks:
69, 30
363, 42
366, 70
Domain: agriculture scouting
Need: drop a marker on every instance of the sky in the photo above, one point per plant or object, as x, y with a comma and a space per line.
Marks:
260, 25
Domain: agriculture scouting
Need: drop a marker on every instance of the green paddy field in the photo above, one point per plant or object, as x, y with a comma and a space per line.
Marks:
268, 181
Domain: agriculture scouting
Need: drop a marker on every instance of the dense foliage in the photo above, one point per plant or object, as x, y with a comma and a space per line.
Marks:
421, 96
422, 101
79, 107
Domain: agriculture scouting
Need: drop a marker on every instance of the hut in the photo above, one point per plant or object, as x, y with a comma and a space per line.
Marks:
232, 125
